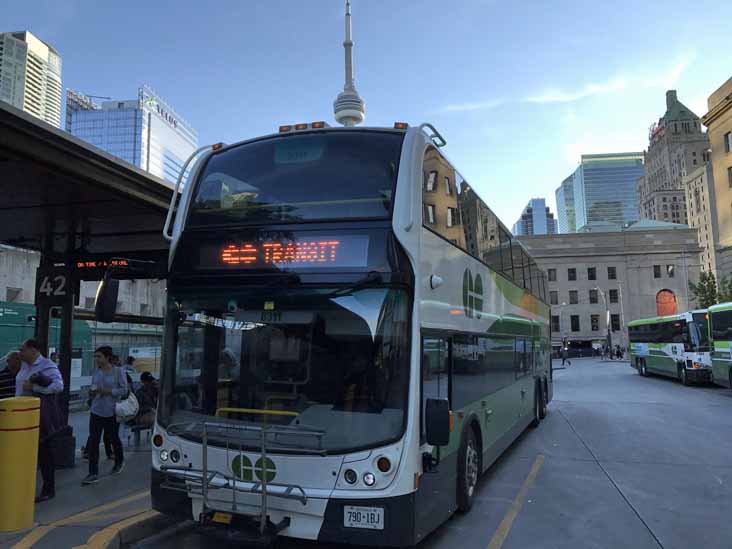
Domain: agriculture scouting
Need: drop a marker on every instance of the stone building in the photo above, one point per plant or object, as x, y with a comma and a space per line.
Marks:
718, 120
635, 272
676, 145
701, 213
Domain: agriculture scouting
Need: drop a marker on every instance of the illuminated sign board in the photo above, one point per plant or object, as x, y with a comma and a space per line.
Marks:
306, 252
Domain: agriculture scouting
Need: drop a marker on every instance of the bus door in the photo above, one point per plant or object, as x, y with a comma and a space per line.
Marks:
436, 495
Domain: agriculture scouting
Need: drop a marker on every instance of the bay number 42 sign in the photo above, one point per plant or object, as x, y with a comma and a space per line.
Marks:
53, 285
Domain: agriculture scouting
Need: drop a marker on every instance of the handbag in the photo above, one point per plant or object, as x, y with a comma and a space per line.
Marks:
127, 408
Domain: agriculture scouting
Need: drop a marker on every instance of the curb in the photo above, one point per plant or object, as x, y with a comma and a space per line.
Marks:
129, 531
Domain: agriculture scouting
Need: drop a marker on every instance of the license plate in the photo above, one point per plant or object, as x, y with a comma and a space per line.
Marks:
363, 517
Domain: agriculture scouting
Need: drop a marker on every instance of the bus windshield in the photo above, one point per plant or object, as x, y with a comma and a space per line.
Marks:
329, 361
300, 177
700, 331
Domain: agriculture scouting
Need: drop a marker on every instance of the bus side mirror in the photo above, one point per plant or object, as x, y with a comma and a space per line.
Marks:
106, 301
437, 421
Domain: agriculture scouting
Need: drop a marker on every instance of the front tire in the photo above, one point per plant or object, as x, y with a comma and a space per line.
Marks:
544, 398
468, 470
683, 376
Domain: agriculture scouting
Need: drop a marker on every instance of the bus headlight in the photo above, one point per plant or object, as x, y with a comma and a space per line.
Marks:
369, 479
163, 455
350, 476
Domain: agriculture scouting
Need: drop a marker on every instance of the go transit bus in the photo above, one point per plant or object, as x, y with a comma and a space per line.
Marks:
720, 327
674, 346
351, 338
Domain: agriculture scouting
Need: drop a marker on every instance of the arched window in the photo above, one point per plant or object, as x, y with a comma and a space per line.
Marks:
666, 303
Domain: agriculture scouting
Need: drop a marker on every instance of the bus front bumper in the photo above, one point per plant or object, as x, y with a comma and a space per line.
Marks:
699, 375
398, 528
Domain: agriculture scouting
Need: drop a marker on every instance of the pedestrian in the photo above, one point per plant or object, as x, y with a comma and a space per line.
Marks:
39, 376
7, 374
54, 357
147, 396
108, 386
565, 357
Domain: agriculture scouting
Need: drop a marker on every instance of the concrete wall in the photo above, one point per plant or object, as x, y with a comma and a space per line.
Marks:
633, 254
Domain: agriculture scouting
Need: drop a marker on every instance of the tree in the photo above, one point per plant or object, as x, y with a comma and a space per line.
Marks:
705, 291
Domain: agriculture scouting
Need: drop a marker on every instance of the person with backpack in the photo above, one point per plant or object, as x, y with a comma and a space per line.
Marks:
109, 386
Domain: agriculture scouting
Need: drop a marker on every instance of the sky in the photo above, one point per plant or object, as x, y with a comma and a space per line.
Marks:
519, 89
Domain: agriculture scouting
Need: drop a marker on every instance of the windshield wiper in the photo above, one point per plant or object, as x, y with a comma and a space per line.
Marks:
373, 277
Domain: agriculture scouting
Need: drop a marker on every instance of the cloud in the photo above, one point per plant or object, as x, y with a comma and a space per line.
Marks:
603, 142
477, 106
669, 79
562, 96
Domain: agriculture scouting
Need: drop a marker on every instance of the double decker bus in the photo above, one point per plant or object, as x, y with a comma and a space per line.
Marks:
720, 328
675, 346
351, 338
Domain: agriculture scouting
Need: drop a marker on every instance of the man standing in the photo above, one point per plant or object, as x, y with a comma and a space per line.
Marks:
7, 374
40, 377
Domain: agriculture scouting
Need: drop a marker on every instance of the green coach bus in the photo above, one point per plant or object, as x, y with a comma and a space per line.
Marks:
720, 328
675, 346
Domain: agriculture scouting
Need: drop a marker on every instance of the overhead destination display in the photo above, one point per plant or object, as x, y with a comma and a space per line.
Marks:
327, 251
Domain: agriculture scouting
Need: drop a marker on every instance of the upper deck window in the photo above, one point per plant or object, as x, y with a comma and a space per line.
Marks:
339, 175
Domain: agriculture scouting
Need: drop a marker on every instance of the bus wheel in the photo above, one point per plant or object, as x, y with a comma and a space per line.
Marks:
542, 408
537, 406
682, 376
468, 470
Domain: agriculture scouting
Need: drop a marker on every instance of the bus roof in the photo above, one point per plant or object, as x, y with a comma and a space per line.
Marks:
721, 307
655, 320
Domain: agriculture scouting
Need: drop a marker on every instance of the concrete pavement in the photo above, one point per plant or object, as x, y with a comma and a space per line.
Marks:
621, 461
77, 513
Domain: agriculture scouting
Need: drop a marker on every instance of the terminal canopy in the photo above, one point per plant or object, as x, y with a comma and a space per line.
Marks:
72, 201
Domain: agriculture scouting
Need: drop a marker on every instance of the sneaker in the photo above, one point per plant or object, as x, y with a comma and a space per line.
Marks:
90, 479
118, 468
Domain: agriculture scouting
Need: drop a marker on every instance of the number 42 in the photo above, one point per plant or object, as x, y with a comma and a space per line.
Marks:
47, 289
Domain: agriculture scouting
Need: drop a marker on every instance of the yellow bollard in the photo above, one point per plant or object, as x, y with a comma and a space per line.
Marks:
19, 424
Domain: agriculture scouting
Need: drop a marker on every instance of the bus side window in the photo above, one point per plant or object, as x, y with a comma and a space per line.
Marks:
435, 370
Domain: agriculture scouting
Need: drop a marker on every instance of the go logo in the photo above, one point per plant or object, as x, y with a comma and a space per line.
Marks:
242, 468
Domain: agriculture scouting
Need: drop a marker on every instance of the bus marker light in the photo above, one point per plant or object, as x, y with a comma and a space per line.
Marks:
383, 464
158, 441
350, 476
301, 126
216, 146
369, 479
286, 128
400, 125
318, 125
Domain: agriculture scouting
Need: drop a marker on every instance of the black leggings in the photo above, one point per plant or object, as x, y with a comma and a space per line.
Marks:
110, 427
47, 467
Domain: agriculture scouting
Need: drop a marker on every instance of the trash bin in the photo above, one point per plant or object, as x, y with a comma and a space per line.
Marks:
19, 423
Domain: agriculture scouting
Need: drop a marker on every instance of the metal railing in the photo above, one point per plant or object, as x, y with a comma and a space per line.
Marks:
201, 482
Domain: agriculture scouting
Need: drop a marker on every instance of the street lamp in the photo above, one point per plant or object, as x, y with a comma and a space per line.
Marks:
607, 320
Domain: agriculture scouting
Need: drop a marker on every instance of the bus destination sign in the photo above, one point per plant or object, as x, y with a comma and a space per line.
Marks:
306, 252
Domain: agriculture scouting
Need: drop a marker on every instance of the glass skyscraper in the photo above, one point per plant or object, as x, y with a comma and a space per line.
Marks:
565, 206
604, 188
145, 131
535, 219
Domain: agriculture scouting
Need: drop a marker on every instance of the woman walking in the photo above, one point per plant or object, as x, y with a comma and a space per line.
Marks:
109, 385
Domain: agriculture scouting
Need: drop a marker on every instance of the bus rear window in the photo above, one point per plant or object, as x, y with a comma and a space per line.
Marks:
307, 177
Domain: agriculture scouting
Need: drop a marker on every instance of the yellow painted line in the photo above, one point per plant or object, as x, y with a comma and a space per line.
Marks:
100, 509
37, 533
112, 516
40, 531
505, 527
104, 538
